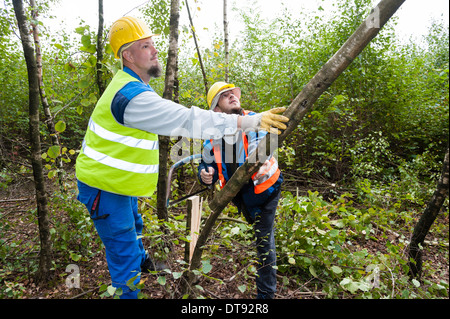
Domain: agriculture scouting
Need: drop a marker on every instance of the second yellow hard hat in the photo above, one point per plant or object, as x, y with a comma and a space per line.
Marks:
218, 88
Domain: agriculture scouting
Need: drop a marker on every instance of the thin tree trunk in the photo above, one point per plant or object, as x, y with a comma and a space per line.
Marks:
100, 82
225, 32
426, 221
170, 80
198, 50
45, 257
49, 120
301, 105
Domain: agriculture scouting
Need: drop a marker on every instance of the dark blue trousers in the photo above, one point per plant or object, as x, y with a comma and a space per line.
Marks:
119, 226
266, 281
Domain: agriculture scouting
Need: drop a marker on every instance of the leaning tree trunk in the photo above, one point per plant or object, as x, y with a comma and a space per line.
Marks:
171, 71
426, 220
301, 105
45, 261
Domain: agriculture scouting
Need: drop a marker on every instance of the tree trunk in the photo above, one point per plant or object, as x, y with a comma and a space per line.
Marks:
225, 35
198, 50
426, 221
49, 120
170, 80
301, 105
100, 82
45, 258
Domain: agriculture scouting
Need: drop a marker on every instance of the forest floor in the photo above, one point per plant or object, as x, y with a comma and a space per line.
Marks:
226, 280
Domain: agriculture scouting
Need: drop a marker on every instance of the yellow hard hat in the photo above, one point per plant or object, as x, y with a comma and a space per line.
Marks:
218, 88
127, 30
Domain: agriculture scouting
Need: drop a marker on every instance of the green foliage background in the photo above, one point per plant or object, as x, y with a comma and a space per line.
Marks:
370, 152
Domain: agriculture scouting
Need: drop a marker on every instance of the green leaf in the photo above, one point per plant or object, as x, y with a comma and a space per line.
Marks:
162, 280
75, 257
83, 84
111, 290
86, 40
235, 230
312, 270
333, 233
52, 174
206, 266
54, 151
60, 126
336, 269
80, 30
85, 102
242, 288
177, 275
338, 100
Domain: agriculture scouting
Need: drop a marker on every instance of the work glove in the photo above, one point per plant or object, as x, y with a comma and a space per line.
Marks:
268, 121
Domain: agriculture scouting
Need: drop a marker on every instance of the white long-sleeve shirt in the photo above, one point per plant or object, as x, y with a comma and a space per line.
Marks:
150, 112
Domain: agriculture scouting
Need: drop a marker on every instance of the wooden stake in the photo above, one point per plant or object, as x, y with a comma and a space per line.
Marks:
194, 215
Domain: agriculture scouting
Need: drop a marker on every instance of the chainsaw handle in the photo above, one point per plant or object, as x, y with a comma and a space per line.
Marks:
175, 166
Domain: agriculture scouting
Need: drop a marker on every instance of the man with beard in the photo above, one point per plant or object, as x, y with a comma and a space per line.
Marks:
119, 158
258, 198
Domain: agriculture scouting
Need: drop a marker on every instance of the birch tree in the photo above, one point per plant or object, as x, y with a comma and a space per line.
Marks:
49, 118
45, 256
194, 35
171, 71
100, 48
226, 40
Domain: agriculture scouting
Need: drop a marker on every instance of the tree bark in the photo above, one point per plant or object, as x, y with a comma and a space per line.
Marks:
100, 82
49, 119
170, 80
226, 41
45, 257
301, 105
426, 221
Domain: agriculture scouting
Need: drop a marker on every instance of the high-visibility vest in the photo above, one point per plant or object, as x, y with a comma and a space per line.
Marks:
266, 176
116, 158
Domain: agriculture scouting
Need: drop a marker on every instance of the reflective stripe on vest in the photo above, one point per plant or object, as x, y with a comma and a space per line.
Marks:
126, 140
267, 177
117, 163
116, 158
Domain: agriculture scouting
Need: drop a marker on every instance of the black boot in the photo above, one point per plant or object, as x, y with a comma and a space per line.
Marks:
149, 266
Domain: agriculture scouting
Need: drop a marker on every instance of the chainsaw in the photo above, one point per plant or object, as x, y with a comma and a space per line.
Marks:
169, 179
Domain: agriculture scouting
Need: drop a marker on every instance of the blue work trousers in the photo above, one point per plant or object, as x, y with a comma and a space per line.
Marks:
266, 281
119, 226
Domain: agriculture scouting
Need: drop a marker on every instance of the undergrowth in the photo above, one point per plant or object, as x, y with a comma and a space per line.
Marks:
354, 246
